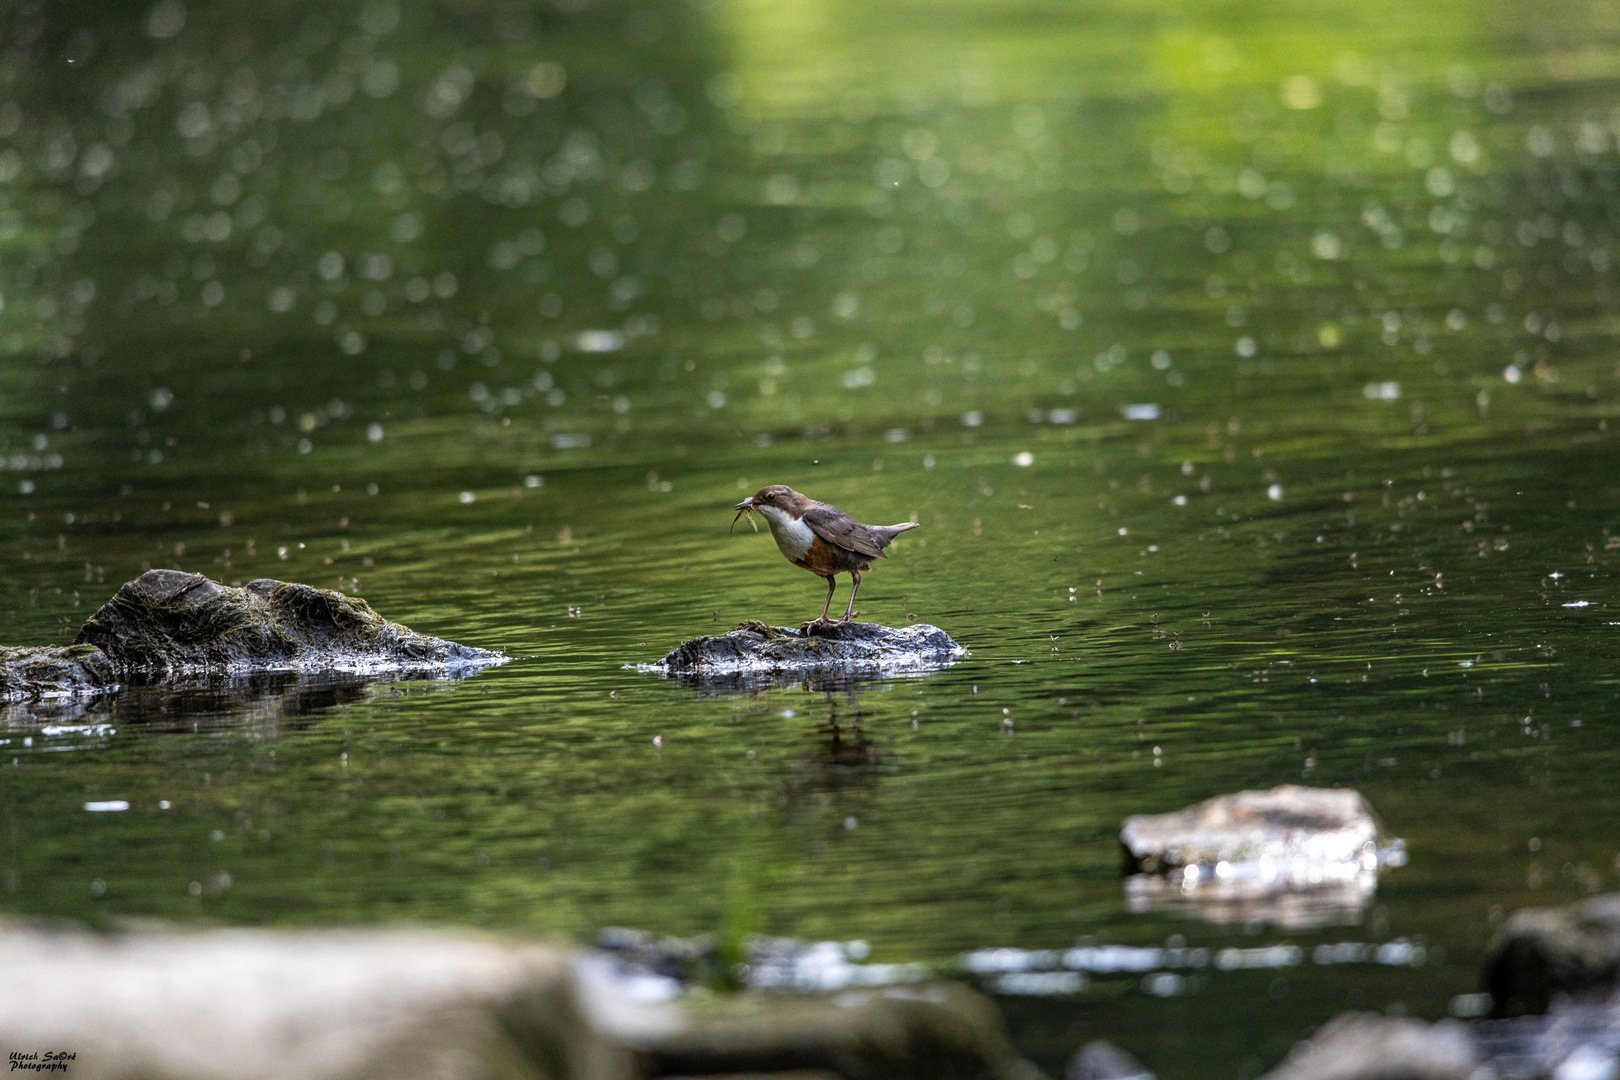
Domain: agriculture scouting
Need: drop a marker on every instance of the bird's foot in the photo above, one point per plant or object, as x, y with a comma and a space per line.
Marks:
822, 623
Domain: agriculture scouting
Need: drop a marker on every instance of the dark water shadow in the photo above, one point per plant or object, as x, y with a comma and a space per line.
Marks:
837, 754
265, 703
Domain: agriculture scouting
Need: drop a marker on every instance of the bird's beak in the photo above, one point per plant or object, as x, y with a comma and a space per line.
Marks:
745, 507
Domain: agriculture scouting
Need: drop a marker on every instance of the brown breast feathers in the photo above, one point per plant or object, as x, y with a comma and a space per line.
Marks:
829, 559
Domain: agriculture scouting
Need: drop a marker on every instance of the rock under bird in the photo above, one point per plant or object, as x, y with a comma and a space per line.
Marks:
822, 539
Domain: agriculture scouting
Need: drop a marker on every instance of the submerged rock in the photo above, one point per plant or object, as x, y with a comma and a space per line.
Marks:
167, 622
755, 649
1364, 1046
1293, 855
53, 672
418, 1003
1542, 954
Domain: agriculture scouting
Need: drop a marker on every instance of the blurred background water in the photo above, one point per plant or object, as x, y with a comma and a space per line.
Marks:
1248, 367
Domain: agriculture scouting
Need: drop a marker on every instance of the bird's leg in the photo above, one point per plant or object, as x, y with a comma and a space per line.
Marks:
850, 612
822, 620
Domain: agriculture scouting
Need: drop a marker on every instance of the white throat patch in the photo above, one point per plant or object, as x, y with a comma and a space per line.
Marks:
792, 535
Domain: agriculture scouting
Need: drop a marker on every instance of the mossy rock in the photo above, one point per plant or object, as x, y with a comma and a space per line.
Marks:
168, 622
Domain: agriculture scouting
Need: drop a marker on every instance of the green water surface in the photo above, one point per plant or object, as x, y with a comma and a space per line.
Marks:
1249, 368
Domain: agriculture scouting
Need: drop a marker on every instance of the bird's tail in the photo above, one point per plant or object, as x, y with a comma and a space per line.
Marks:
886, 533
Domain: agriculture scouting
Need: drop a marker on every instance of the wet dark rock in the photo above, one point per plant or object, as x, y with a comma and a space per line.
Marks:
415, 1004
167, 622
1102, 1060
1294, 856
1365, 1046
758, 649
52, 672
1542, 954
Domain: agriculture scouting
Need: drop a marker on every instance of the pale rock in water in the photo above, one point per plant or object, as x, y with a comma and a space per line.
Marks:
1295, 856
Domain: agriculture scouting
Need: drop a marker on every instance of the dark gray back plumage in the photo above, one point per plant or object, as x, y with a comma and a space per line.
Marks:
838, 528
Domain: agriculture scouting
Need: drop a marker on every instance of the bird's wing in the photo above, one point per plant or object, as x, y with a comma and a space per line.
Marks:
836, 527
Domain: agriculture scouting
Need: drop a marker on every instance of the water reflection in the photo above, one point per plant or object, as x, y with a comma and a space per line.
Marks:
1335, 902
259, 706
829, 711
844, 755
818, 679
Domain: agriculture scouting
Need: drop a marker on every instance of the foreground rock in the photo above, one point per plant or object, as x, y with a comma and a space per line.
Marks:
1294, 856
1575, 1042
1102, 1060
1554, 981
1364, 1046
167, 623
1543, 954
757, 649
409, 1004
50, 673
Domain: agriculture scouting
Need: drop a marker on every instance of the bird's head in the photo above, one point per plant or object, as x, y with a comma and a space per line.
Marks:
772, 501
778, 495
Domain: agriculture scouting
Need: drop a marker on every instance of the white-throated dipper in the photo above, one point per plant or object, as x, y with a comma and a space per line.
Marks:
822, 539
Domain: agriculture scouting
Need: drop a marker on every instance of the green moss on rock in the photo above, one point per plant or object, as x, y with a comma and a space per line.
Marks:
169, 622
